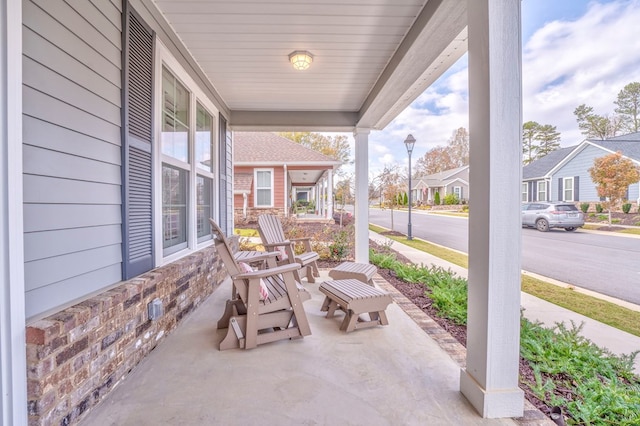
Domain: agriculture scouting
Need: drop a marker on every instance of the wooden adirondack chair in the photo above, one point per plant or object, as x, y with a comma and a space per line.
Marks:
252, 321
273, 239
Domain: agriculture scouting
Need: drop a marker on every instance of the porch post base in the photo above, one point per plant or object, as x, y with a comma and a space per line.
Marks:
492, 403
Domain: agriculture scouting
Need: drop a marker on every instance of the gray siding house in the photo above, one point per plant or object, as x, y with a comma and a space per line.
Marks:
453, 181
564, 174
116, 121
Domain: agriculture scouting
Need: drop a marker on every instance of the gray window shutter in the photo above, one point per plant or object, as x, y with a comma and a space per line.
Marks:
534, 191
560, 190
137, 142
576, 188
226, 179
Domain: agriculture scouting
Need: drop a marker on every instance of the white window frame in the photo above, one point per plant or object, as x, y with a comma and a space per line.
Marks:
571, 188
164, 58
255, 187
457, 190
543, 183
525, 192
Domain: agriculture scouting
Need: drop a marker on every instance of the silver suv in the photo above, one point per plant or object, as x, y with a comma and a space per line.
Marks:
544, 215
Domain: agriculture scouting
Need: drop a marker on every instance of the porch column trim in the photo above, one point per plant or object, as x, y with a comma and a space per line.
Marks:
13, 370
329, 194
362, 195
490, 380
287, 196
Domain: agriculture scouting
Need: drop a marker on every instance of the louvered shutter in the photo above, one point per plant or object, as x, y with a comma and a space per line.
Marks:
576, 188
137, 120
560, 190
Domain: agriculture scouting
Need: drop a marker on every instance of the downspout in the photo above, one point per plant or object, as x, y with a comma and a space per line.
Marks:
286, 192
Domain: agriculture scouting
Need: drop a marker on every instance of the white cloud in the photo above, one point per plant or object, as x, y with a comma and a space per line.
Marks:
565, 63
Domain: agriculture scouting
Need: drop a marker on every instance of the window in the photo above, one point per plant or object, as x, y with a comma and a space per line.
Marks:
174, 141
175, 118
186, 163
542, 190
174, 209
457, 190
525, 193
568, 189
204, 192
264, 187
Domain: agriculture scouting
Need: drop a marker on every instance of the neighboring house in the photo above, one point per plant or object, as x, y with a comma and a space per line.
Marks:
271, 172
453, 181
563, 174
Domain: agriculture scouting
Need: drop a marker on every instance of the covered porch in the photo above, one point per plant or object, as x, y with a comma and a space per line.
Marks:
85, 168
387, 375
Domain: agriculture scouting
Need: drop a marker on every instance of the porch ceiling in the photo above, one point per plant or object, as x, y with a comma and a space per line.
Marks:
372, 58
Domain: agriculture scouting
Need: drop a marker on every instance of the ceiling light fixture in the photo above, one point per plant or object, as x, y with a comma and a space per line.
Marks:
300, 59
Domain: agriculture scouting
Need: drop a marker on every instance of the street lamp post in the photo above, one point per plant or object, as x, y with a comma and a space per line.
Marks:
410, 141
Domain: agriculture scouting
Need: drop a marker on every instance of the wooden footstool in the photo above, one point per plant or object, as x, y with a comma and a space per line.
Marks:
351, 270
355, 297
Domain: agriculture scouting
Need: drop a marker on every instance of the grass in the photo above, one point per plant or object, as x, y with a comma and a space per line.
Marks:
592, 307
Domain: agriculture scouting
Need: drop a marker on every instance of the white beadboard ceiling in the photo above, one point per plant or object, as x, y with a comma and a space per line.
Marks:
371, 57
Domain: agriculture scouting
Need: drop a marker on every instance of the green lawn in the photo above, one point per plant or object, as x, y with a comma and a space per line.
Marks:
592, 307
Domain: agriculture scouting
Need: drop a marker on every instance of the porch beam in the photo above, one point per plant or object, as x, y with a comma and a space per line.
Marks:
13, 369
361, 212
490, 380
293, 121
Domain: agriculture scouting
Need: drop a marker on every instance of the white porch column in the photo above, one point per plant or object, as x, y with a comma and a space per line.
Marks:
13, 370
287, 196
361, 213
329, 212
490, 381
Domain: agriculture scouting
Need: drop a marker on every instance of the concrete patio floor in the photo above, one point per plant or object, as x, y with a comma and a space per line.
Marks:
391, 375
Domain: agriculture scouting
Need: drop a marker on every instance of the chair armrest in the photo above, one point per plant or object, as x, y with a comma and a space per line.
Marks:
264, 273
300, 239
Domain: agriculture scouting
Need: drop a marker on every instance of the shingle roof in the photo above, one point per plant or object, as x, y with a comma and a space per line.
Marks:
441, 178
542, 166
264, 147
242, 182
628, 145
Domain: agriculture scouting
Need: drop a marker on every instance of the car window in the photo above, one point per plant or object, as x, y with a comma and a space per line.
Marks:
566, 207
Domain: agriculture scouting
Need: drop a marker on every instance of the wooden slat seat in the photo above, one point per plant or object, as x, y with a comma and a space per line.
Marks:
355, 298
351, 270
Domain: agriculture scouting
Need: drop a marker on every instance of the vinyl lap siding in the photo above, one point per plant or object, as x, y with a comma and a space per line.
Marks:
72, 154
579, 166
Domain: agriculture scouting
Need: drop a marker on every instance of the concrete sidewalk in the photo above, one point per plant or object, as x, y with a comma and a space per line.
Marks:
535, 309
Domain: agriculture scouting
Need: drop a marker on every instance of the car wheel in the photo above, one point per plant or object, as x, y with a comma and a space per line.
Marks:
542, 225
570, 229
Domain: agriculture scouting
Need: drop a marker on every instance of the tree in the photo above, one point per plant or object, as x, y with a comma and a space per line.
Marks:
529, 146
435, 160
596, 126
628, 109
548, 140
612, 175
343, 192
391, 185
336, 147
441, 158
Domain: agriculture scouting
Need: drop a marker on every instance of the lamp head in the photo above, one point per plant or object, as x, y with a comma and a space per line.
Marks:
410, 141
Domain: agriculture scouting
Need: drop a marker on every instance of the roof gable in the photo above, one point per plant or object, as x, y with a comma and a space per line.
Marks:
543, 166
270, 148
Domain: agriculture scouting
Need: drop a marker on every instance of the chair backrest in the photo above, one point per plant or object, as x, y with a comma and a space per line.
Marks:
224, 249
270, 228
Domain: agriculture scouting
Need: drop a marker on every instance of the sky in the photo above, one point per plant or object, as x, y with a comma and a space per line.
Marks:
574, 52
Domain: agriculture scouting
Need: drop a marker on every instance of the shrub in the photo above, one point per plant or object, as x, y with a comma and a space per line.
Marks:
626, 208
592, 215
616, 220
436, 199
603, 217
451, 199
599, 208
339, 248
584, 207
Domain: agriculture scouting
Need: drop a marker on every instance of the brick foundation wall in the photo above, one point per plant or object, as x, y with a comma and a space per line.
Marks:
76, 356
